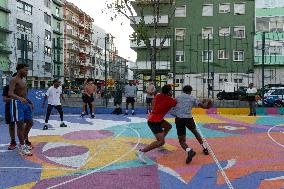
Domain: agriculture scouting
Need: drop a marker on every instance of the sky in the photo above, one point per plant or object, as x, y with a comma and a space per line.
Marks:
120, 32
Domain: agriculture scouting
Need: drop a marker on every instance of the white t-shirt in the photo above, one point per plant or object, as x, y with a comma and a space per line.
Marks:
251, 91
53, 95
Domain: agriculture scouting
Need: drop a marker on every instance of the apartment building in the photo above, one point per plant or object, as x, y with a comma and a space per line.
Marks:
269, 21
77, 44
210, 43
5, 49
33, 39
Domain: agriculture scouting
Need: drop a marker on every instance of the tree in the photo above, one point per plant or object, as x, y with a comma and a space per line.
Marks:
142, 30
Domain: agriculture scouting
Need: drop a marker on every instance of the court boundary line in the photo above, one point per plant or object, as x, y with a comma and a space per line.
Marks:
102, 147
228, 182
268, 133
98, 169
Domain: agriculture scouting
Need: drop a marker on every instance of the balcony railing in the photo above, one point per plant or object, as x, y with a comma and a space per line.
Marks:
146, 65
167, 43
149, 20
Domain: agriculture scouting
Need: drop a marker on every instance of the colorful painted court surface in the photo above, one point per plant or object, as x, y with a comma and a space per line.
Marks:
245, 152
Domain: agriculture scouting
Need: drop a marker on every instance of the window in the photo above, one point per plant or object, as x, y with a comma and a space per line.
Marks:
208, 31
47, 18
47, 51
47, 3
179, 56
238, 56
24, 7
275, 48
47, 67
224, 8
262, 24
238, 80
240, 8
24, 26
207, 10
29, 45
224, 31
57, 12
223, 54
47, 35
239, 32
206, 55
276, 24
180, 33
180, 11
58, 26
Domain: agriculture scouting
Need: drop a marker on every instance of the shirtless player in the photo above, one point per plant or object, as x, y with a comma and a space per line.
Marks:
88, 97
21, 108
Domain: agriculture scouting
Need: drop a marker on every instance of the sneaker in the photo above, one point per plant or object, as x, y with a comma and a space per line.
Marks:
93, 116
125, 113
24, 151
190, 155
140, 157
63, 125
205, 151
45, 127
83, 114
29, 145
12, 146
133, 113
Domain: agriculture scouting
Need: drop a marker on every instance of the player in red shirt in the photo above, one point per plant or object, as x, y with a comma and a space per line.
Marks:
162, 104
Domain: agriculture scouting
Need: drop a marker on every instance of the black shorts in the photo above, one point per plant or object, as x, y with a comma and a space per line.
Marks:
7, 117
156, 127
87, 99
182, 124
130, 100
149, 100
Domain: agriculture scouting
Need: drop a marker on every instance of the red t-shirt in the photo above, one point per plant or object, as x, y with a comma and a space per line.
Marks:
162, 104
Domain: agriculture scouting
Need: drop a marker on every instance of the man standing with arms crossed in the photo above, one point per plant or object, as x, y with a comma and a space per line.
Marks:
130, 94
21, 108
150, 95
251, 92
53, 95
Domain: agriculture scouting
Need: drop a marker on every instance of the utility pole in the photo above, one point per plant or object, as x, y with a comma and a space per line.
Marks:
208, 66
174, 60
262, 66
154, 48
105, 90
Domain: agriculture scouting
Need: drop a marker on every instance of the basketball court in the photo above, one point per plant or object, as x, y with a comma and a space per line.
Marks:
245, 152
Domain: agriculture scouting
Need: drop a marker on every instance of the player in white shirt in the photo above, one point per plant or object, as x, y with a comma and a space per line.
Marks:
53, 95
251, 92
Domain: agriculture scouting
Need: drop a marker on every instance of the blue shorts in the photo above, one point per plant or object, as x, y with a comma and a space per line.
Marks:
20, 111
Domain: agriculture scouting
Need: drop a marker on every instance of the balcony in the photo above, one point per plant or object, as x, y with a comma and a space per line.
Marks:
149, 20
4, 49
57, 17
72, 48
58, 2
71, 19
5, 30
3, 7
146, 65
57, 32
167, 43
72, 34
149, 2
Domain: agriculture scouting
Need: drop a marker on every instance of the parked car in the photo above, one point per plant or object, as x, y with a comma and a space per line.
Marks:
240, 94
273, 98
